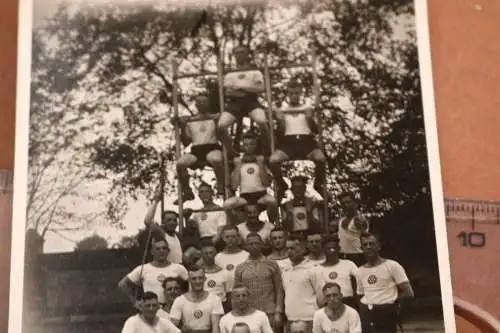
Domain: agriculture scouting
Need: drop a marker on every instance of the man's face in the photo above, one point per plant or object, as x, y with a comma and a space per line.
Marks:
331, 249
294, 95
278, 240
202, 103
249, 146
252, 213
333, 297
254, 245
348, 204
298, 188
239, 298
231, 237
242, 56
149, 308
172, 290
370, 246
208, 254
205, 194
170, 222
197, 279
314, 244
295, 250
160, 250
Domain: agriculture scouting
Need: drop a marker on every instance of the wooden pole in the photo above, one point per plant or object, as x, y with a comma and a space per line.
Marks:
175, 100
220, 79
162, 182
317, 102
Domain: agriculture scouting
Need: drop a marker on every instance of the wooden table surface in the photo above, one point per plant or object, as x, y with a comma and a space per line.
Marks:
465, 51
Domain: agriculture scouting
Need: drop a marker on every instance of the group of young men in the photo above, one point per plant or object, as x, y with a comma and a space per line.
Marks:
232, 272
246, 281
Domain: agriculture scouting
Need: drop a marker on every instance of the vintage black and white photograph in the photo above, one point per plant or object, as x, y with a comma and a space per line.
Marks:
229, 167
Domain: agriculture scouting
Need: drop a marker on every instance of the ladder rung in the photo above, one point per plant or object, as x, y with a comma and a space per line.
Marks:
190, 75
294, 110
204, 210
297, 65
243, 69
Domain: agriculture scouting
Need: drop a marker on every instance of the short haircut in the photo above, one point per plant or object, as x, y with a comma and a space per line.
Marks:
195, 268
297, 238
368, 235
315, 231
331, 285
206, 243
345, 195
299, 178
240, 324
165, 212
240, 286
249, 135
149, 295
204, 184
278, 229
254, 234
229, 227
330, 238
171, 279
294, 83
158, 237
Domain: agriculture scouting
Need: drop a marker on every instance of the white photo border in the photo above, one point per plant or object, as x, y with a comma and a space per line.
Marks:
25, 19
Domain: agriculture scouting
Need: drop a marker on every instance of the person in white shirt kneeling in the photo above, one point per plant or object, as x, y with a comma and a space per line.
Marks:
335, 316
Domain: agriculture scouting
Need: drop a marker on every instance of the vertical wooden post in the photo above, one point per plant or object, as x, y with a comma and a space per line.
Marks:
220, 79
162, 182
175, 100
317, 102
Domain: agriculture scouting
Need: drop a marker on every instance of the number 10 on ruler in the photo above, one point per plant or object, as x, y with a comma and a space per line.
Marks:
472, 239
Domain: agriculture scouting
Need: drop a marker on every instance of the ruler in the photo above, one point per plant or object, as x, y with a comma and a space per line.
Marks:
473, 228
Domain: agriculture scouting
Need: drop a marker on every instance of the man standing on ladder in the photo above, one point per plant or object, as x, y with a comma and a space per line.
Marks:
201, 132
242, 90
296, 129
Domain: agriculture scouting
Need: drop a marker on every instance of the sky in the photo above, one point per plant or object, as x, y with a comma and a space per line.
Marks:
133, 220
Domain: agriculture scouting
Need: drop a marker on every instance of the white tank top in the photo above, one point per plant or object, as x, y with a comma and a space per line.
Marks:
349, 237
296, 123
250, 178
244, 80
202, 132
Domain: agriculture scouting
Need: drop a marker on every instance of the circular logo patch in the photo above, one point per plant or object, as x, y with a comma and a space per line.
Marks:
203, 128
203, 216
333, 275
230, 267
241, 76
250, 171
372, 279
211, 283
198, 314
160, 278
300, 216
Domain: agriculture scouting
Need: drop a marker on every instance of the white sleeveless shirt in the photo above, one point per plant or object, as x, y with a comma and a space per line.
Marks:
250, 181
202, 132
247, 80
296, 123
349, 237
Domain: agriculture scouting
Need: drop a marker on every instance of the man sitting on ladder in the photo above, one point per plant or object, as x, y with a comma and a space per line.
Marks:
201, 132
251, 175
296, 129
242, 89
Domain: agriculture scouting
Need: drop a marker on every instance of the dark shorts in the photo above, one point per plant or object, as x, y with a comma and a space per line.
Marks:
380, 319
253, 198
201, 152
240, 107
357, 258
297, 147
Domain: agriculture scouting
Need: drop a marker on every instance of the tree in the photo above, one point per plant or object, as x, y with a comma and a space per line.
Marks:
372, 119
91, 243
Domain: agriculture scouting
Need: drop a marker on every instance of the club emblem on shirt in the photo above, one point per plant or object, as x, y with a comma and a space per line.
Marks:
198, 314
230, 267
211, 283
334, 330
241, 76
333, 275
250, 171
300, 216
160, 278
203, 128
372, 279
203, 216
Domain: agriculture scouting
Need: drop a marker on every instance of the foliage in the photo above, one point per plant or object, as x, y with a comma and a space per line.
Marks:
114, 66
94, 242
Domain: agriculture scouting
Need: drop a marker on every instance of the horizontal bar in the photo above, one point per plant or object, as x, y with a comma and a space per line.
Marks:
190, 75
302, 64
245, 69
294, 110
205, 210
